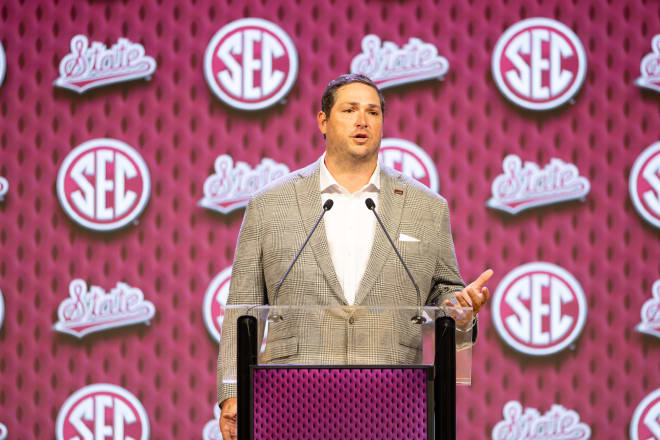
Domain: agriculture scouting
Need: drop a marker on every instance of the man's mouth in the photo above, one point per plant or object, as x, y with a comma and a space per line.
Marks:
360, 136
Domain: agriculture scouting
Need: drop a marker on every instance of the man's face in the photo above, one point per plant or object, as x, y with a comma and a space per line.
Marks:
355, 125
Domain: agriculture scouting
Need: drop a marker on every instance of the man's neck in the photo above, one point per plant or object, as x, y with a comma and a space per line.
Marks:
352, 176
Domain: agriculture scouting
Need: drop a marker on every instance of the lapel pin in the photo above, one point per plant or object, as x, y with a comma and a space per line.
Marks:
398, 191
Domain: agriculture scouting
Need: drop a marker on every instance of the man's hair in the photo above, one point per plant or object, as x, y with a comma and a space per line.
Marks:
328, 99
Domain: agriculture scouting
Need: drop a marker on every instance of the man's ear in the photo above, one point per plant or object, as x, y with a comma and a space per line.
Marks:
322, 121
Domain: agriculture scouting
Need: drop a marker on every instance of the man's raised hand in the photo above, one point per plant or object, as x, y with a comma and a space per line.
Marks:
475, 294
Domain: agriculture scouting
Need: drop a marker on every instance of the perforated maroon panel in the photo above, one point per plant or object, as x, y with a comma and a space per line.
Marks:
179, 128
340, 403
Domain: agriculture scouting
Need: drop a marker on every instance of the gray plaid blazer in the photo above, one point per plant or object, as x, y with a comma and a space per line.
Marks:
276, 222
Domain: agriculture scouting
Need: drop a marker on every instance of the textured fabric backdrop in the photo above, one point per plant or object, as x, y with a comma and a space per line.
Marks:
179, 127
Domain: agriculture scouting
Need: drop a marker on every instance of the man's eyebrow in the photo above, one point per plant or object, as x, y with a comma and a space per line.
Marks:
357, 104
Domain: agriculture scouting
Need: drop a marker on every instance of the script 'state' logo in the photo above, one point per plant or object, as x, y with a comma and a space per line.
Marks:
215, 300
645, 424
539, 64
87, 67
3, 64
94, 310
650, 313
409, 159
557, 424
102, 411
650, 67
251, 64
539, 309
644, 184
526, 186
231, 186
388, 65
103, 184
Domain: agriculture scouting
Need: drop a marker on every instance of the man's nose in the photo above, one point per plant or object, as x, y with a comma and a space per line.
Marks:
361, 119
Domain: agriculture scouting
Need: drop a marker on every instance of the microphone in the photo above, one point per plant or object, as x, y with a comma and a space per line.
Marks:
326, 207
417, 319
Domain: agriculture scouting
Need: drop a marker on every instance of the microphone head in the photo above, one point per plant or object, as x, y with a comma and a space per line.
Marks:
370, 203
328, 205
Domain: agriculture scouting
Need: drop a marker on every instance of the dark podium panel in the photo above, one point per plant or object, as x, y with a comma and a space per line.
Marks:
306, 399
342, 402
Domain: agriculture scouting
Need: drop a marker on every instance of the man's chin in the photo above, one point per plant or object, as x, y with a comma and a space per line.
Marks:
364, 156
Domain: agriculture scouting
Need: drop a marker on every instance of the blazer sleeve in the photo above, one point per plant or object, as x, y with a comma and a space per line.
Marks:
247, 286
447, 280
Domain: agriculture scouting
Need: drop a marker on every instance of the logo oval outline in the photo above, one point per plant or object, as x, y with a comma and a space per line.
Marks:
125, 149
564, 275
559, 27
292, 53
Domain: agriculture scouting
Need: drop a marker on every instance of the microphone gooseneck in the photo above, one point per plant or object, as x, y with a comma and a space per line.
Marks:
327, 206
418, 319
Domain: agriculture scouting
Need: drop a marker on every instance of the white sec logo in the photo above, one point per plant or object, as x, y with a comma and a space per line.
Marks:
539, 64
103, 184
102, 411
409, 159
644, 184
215, 300
645, 424
539, 309
250, 64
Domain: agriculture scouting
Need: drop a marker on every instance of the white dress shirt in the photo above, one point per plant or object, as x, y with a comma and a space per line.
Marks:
349, 227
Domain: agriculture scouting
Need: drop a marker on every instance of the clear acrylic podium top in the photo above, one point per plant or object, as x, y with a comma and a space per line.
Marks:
352, 335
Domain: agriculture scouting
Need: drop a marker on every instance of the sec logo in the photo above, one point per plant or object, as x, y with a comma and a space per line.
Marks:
215, 300
539, 64
539, 309
102, 411
644, 184
410, 160
250, 64
645, 424
103, 184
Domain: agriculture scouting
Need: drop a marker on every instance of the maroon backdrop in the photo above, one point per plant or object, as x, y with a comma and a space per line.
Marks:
179, 127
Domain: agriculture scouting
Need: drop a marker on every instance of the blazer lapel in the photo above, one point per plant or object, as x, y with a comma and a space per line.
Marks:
389, 208
308, 195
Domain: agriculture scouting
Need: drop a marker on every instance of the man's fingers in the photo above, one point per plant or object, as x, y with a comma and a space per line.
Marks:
228, 426
224, 430
482, 279
486, 293
475, 297
463, 300
228, 418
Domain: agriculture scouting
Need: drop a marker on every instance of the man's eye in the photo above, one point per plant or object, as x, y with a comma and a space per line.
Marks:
348, 110
374, 113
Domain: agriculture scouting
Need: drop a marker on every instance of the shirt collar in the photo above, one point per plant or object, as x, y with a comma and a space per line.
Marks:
328, 182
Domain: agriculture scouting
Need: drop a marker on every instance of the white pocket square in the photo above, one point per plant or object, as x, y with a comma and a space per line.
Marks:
404, 237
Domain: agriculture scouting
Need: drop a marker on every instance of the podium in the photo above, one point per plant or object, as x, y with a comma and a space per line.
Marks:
362, 372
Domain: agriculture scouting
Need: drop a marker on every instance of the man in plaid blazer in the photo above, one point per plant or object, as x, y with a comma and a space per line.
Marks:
278, 219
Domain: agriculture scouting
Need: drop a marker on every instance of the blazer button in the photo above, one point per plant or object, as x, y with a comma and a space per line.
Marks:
351, 320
